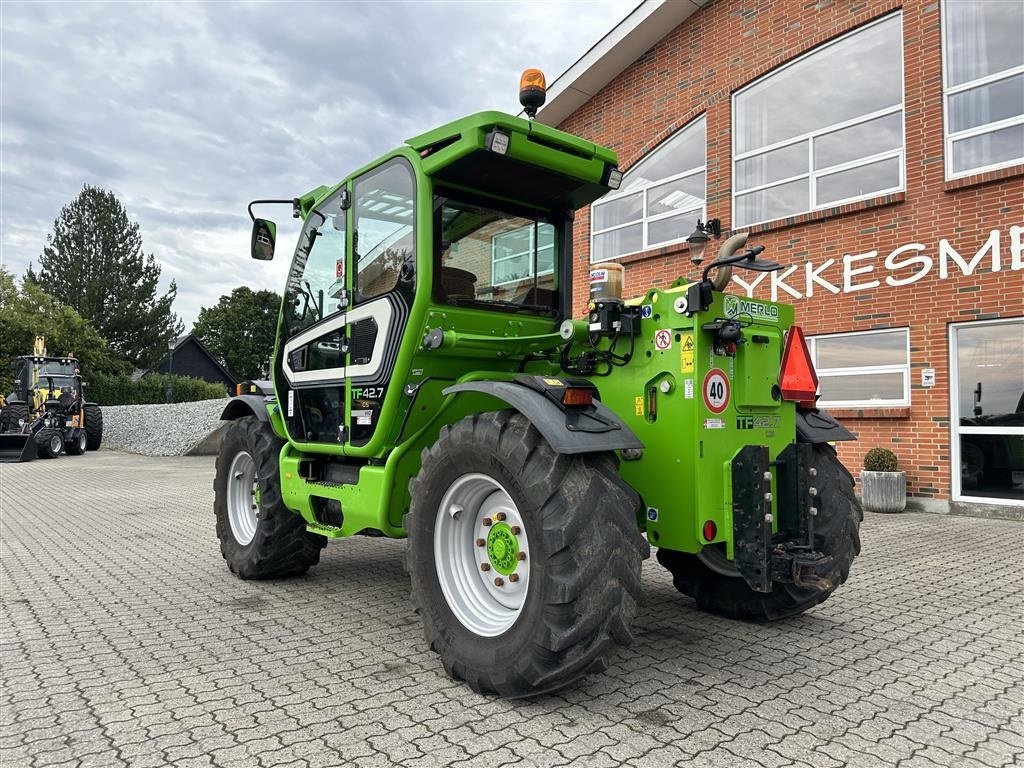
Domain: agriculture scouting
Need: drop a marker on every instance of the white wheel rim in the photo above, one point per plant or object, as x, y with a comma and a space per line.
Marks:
55, 444
81, 441
243, 507
482, 606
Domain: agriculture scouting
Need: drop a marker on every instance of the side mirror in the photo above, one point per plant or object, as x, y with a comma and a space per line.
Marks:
264, 235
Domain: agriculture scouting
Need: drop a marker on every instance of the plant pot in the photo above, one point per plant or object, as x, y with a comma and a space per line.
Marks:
883, 491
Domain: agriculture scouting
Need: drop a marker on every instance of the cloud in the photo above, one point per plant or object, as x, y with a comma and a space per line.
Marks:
188, 111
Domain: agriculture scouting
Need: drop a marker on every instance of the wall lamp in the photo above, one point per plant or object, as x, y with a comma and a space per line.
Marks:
699, 238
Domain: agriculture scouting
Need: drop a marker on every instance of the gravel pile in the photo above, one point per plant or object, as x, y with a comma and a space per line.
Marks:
160, 430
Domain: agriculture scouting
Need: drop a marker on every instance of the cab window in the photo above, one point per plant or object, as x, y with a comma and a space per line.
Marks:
384, 240
494, 258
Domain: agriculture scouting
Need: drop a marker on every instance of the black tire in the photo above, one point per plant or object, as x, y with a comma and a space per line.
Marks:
586, 553
93, 426
281, 545
11, 415
49, 443
837, 533
77, 446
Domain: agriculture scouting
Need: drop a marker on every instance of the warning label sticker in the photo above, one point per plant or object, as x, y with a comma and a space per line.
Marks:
663, 339
638, 405
688, 389
716, 390
686, 354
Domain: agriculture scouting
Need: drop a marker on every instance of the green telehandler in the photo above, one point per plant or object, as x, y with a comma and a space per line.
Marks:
429, 382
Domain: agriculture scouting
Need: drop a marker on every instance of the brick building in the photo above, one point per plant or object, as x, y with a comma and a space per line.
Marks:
876, 149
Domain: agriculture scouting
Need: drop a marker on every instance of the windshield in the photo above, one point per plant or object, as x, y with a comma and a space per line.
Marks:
489, 257
317, 276
61, 374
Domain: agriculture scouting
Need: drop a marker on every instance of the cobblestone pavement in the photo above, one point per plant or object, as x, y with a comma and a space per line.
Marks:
126, 641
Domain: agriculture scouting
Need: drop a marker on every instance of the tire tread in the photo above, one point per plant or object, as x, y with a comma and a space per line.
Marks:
282, 546
588, 520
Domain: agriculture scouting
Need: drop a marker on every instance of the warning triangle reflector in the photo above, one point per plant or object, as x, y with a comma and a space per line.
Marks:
797, 378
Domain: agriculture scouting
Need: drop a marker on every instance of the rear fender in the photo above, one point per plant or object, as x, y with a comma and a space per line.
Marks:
814, 426
565, 430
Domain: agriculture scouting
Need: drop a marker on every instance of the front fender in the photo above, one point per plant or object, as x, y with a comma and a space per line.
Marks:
551, 422
262, 407
246, 405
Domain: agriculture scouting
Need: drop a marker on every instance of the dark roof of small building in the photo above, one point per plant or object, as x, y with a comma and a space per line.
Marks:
191, 339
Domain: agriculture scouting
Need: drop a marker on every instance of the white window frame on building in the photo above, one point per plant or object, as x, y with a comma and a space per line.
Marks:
862, 370
528, 253
813, 175
957, 430
951, 91
645, 219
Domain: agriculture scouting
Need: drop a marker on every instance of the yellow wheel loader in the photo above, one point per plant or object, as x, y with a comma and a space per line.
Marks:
46, 414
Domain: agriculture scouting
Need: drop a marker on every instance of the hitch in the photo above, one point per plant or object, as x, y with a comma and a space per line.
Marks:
788, 556
795, 563
752, 516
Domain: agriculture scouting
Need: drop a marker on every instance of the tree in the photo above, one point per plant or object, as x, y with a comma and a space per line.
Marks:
93, 262
29, 312
240, 330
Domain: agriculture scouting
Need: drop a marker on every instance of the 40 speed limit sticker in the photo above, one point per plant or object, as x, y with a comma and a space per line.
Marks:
716, 390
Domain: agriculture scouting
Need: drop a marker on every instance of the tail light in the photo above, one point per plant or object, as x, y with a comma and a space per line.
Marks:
577, 396
797, 378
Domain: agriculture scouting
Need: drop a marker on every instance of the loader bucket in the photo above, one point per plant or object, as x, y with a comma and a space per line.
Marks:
17, 447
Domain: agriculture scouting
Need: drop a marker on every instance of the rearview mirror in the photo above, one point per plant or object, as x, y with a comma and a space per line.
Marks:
264, 235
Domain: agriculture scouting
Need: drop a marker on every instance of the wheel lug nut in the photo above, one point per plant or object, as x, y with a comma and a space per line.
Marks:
499, 516
481, 542
513, 577
520, 555
485, 566
499, 582
487, 521
516, 530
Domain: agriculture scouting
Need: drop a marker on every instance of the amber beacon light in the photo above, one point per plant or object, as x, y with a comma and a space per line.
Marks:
532, 91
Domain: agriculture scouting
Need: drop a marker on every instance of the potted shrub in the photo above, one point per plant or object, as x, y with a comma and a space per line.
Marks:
883, 486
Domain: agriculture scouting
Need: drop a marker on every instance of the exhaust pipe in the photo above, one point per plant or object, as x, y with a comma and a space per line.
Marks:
729, 247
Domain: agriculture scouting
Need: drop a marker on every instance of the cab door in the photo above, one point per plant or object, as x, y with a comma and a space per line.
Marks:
312, 346
383, 268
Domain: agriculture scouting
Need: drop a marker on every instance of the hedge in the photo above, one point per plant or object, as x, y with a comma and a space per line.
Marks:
150, 389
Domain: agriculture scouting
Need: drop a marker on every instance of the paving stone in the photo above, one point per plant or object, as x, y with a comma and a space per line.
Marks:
124, 641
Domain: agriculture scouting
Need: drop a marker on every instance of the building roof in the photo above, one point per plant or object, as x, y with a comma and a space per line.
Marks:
190, 338
628, 40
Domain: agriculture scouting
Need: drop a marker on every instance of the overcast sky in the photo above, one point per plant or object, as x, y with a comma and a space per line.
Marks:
188, 111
